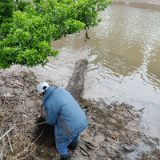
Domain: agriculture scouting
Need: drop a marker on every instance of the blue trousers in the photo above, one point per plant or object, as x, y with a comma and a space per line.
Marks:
62, 146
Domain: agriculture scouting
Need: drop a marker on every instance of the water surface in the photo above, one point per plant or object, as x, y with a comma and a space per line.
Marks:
124, 59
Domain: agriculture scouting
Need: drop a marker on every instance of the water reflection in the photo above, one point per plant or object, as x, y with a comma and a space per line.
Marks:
124, 61
125, 45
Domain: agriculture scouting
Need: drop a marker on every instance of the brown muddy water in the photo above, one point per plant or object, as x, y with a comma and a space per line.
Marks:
124, 60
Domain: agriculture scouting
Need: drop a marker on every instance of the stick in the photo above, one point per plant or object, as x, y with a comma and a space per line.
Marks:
7, 133
131, 113
10, 143
4, 103
1, 155
142, 109
32, 125
27, 147
40, 123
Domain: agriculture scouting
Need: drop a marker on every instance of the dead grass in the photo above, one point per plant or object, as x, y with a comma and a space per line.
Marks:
20, 107
22, 148
15, 110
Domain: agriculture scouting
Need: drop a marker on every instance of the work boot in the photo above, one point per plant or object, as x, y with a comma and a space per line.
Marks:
72, 145
66, 157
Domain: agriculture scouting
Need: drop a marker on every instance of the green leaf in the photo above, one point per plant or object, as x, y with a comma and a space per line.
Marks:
28, 28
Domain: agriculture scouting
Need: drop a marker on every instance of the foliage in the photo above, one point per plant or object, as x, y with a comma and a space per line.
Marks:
27, 29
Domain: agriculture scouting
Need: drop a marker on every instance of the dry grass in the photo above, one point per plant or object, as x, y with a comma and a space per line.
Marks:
22, 148
16, 111
20, 110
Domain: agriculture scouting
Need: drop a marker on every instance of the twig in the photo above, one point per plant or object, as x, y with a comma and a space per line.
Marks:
4, 103
134, 131
23, 124
7, 132
131, 113
40, 123
4, 108
10, 143
82, 150
86, 35
1, 155
141, 109
28, 155
152, 144
8, 103
27, 147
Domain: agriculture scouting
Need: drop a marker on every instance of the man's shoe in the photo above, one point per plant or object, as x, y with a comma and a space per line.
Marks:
72, 145
66, 157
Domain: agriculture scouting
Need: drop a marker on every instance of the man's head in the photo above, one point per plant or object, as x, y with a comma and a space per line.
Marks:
42, 87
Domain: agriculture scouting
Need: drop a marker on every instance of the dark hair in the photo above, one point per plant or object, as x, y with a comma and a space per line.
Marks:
44, 88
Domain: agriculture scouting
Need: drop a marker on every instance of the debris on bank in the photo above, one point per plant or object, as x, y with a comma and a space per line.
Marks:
18, 109
112, 134
152, 155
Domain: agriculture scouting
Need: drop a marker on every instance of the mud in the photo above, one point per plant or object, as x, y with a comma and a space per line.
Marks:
155, 154
113, 130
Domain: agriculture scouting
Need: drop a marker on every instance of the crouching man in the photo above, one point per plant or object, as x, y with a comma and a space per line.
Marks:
63, 111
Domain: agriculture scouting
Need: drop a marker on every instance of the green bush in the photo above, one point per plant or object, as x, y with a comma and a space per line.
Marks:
27, 29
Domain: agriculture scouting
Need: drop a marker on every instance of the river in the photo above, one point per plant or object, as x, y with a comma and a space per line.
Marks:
124, 60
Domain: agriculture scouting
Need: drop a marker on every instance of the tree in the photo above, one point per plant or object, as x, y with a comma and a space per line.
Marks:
27, 28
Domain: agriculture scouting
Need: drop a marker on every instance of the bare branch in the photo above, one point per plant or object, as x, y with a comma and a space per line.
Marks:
7, 133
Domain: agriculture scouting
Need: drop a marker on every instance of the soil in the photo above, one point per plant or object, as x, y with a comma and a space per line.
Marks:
113, 131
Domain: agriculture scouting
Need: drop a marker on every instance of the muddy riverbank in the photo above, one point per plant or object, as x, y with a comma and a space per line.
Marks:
113, 132
123, 53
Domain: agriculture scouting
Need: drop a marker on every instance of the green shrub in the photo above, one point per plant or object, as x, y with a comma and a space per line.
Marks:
27, 29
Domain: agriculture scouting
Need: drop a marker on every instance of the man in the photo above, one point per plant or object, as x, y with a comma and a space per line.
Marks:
63, 111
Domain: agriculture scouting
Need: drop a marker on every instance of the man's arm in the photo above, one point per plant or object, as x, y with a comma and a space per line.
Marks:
51, 115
